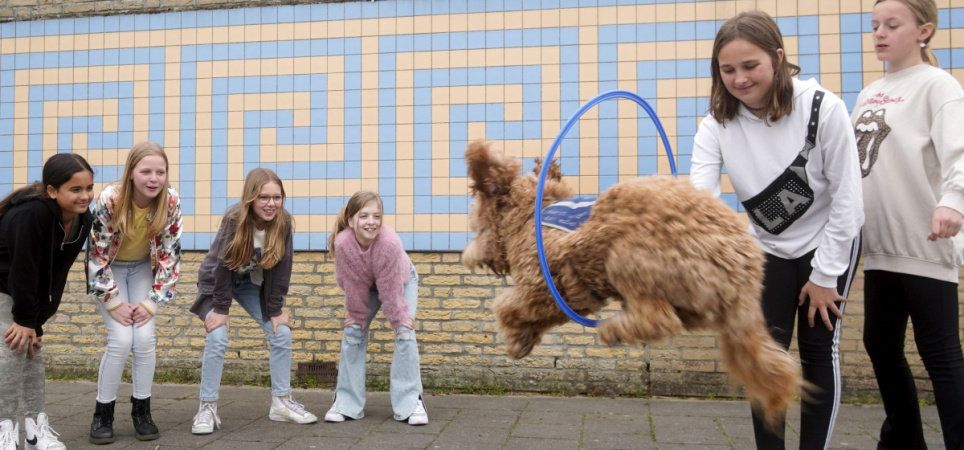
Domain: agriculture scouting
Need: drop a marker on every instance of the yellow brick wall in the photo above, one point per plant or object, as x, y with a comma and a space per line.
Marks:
457, 340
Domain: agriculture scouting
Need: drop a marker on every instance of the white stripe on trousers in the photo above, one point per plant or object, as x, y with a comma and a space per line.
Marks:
854, 257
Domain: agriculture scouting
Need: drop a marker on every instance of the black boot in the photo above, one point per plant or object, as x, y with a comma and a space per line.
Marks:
144, 426
102, 428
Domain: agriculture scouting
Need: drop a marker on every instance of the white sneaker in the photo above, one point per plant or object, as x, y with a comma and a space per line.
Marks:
419, 416
9, 435
286, 409
206, 420
39, 435
334, 416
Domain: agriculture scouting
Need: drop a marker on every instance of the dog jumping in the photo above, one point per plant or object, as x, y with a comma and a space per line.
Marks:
674, 256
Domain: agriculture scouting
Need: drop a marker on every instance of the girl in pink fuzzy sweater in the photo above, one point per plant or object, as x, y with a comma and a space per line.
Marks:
374, 271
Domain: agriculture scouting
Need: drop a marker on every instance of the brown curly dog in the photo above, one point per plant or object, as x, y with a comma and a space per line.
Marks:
674, 256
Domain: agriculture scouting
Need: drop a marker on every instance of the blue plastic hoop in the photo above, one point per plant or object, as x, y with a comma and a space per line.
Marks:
540, 249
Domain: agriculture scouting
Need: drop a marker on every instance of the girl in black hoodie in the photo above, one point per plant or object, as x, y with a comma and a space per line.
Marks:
43, 227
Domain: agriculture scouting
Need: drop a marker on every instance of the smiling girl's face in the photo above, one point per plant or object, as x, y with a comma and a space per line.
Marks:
747, 71
148, 177
366, 224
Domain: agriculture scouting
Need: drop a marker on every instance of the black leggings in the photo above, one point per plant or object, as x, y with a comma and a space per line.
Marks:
932, 306
819, 347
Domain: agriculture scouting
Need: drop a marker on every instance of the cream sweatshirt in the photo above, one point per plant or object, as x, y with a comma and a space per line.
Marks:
910, 136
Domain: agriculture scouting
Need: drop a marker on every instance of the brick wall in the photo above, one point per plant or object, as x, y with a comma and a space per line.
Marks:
457, 340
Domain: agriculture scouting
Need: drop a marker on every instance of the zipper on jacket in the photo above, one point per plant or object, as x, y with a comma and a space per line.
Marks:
66, 235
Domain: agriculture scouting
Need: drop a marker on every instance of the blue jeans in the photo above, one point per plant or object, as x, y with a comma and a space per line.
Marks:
134, 280
216, 342
405, 385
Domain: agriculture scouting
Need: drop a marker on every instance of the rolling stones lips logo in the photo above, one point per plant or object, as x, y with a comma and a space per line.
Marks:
871, 130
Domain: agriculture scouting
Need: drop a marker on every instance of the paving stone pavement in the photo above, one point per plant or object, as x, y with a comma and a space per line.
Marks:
455, 422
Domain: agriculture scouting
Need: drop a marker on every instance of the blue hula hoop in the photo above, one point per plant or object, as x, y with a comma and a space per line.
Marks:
540, 248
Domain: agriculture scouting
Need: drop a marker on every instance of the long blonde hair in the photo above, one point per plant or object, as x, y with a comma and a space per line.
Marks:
355, 204
758, 28
924, 11
124, 208
240, 248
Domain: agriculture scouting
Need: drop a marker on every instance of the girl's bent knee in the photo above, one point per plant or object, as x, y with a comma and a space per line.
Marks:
217, 339
119, 346
404, 334
354, 335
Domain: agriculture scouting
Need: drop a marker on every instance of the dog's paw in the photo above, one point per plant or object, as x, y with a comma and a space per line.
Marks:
609, 336
520, 345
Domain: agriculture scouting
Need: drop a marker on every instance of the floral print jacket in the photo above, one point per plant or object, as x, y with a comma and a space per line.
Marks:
105, 241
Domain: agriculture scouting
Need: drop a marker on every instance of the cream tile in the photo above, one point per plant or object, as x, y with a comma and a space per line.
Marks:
829, 7
588, 16
607, 15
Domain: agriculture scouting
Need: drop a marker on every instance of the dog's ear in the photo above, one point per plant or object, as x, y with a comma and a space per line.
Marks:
554, 173
490, 172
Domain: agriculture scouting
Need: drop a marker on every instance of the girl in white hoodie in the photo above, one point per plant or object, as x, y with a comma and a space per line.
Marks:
804, 205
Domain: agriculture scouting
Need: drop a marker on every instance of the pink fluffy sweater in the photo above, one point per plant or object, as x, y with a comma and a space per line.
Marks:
385, 265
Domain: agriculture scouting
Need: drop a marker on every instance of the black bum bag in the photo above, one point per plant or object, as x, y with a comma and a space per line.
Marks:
788, 197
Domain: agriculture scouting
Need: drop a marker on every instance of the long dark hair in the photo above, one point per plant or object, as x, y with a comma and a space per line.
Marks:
760, 29
58, 170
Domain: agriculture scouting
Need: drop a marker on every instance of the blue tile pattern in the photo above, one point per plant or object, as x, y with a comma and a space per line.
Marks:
325, 103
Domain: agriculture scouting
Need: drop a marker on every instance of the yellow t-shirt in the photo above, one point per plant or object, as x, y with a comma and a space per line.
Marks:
136, 246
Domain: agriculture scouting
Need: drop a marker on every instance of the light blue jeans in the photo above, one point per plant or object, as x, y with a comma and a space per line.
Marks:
246, 294
405, 385
134, 280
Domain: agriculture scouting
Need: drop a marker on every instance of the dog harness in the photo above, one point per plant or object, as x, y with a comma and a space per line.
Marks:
567, 215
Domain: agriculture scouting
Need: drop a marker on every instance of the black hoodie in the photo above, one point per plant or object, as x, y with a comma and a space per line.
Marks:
34, 259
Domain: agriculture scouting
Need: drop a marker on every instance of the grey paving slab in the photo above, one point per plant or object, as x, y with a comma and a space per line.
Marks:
541, 444
444, 443
599, 439
549, 431
551, 418
488, 436
690, 430
468, 422
485, 419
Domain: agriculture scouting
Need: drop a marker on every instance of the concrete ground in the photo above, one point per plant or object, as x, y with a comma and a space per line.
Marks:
455, 422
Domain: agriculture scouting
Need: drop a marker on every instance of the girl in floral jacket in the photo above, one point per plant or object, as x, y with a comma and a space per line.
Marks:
133, 256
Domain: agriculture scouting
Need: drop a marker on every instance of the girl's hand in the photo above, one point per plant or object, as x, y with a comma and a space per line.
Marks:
408, 323
945, 223
214, 321
281, 319
143, 313
123, 314
19, 336
37, 343
822, 299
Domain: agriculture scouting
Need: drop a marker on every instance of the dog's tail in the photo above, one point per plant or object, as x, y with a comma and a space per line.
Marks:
772, 378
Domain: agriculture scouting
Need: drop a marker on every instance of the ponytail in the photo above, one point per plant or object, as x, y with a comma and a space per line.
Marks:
31, 191
355, 204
